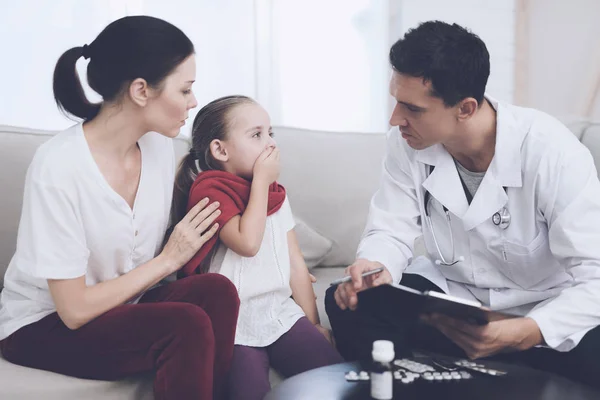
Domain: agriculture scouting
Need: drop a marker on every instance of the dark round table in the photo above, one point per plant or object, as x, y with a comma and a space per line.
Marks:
520, 383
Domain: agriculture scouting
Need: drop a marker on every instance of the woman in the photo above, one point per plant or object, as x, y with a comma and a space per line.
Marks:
82, 294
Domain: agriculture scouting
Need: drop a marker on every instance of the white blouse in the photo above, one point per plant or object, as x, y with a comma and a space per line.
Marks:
74, 224
263, 282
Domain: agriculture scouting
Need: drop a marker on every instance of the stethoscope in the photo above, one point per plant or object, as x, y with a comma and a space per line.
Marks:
500, 218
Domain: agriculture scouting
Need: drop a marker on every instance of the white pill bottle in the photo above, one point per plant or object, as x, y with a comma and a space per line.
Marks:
382, 379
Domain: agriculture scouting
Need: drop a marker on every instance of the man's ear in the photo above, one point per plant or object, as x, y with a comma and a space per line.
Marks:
219, 150
467, 108
139, 92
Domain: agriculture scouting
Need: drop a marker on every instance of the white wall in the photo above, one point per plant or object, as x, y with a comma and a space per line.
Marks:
337, 82
331, 68
33, 34
492, 20
560, 61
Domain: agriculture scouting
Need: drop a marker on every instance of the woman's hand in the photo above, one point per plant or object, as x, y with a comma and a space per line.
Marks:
195, 229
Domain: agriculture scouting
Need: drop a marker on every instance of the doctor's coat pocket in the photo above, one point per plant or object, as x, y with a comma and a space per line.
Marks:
528, 265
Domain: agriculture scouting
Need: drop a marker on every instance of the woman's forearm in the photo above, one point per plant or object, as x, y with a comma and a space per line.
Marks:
78, 304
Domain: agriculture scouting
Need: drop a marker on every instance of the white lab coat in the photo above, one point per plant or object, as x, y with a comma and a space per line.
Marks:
546, 265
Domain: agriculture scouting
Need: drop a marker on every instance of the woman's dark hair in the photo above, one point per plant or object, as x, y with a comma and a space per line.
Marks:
211, 122
127, 49
453, 59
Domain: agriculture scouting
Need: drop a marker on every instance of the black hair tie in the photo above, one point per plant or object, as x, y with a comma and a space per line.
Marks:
85, 52
193, 154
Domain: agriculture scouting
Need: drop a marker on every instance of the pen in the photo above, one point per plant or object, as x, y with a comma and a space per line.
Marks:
349, 278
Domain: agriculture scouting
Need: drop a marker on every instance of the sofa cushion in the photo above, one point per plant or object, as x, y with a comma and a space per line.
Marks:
16, 152
591, 139
576, 125
315, 247
23, 383
330, 178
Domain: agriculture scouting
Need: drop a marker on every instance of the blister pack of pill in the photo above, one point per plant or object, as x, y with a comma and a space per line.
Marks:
473, 366
408, 371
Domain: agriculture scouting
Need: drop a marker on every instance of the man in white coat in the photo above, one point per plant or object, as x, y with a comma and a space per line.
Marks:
508, 203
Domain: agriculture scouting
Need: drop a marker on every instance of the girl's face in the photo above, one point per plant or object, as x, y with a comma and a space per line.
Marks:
248, 135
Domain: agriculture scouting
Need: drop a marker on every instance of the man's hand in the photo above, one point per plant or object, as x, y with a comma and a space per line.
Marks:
479, 341
346, 293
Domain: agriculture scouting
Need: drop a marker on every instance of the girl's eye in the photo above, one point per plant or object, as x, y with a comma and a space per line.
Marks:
256, 135
272, 134
188, 91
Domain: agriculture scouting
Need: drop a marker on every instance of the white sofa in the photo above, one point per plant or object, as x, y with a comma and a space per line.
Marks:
330, 179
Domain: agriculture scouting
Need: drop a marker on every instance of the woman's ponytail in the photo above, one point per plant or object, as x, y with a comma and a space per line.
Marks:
68, 92
132, 47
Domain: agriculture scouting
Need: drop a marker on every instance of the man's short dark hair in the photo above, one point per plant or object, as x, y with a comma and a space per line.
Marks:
452, 58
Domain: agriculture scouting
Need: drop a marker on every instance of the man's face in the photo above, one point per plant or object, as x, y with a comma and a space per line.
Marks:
424, 120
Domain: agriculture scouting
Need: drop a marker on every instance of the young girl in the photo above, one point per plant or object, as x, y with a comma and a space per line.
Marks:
256, 248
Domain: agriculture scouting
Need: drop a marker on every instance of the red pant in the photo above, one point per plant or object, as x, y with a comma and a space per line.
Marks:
183, 331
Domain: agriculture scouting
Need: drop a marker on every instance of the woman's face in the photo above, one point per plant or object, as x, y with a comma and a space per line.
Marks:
166, 113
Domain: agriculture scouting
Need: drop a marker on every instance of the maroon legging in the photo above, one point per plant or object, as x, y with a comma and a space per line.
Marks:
184, 331
300, 349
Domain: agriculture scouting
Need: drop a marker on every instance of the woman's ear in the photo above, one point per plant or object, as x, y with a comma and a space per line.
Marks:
219, 150
139, 92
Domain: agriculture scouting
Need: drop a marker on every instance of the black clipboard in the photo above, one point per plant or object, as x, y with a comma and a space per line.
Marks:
415, 302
